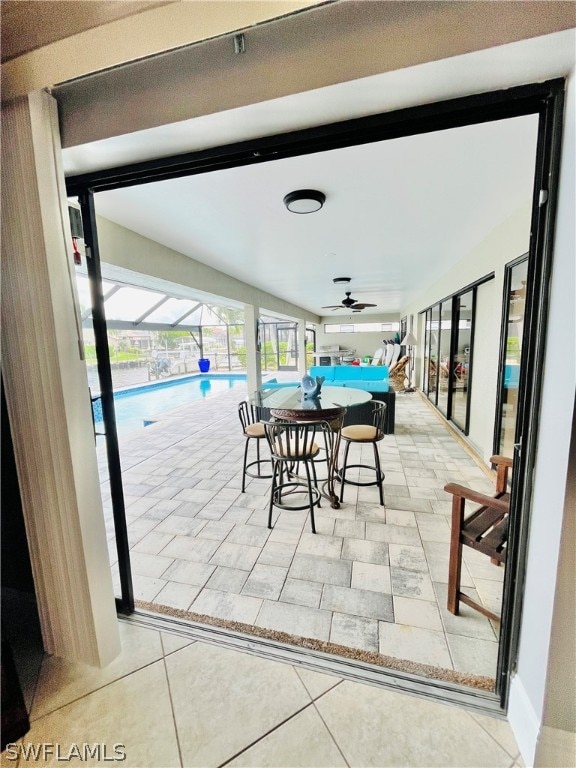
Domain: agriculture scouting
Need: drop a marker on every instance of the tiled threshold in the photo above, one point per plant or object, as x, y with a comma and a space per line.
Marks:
474, 693
219, 700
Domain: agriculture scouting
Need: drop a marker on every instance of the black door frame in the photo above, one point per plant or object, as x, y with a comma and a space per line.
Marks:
125, 603
544, 99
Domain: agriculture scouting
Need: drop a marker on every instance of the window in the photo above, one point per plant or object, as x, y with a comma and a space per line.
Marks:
360, 327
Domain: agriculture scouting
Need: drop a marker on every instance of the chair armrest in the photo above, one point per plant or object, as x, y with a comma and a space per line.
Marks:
480, 498
502, 461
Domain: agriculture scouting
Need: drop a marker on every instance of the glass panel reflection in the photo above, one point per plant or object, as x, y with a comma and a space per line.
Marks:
130, 303
514, 332
84, 298
434, 341
461, 367
444, 356
171, 311
425, 380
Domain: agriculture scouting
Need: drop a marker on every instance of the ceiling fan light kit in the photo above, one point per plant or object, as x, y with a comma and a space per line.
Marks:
304, 200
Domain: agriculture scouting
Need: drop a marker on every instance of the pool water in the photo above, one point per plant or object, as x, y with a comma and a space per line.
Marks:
136, 407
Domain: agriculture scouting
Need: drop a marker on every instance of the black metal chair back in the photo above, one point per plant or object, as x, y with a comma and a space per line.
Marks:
253, 429
365, 434
292, 444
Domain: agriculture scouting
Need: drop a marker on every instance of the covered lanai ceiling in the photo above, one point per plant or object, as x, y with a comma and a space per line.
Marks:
398, 213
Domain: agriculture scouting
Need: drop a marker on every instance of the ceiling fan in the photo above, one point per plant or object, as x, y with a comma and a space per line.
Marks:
350, 304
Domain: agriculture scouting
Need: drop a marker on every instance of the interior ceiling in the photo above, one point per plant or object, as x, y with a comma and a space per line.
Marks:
30, 24
398, 214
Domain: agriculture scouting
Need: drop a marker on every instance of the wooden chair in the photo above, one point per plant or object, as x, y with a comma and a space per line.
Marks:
485, 530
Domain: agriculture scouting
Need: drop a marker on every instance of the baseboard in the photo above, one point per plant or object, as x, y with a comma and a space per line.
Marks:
523, 720
555, 748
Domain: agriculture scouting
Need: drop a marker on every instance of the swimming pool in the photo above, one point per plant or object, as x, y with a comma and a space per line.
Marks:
138, 405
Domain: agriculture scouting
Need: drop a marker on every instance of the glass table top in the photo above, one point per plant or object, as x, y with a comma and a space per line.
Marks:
291, 398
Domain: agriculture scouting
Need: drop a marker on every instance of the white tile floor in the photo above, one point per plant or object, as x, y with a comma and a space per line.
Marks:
171, 701
372, 578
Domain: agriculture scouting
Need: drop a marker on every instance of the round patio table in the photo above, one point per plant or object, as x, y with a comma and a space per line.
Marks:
289, 404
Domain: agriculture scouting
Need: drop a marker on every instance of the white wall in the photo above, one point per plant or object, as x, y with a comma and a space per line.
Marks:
557, 740
485, 363
528, 687
363, 343
500, 246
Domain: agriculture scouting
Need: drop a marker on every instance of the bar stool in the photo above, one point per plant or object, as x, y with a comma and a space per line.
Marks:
292, 444
360, 434
253, 430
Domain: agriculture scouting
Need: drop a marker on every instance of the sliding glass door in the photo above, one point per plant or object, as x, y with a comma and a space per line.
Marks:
448, 343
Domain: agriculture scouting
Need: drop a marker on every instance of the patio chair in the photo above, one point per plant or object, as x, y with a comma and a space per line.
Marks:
485, 530
293, 444
377, 357
395, 354
397, 374
253, 429
365, 434
389, 354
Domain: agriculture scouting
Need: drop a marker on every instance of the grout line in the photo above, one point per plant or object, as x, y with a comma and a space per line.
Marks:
173, 713
337, 682
481, 725
94, 690
265, 735
327, 727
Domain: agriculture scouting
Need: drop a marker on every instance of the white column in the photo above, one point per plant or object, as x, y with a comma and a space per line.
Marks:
253, 356
47, 392
302, 368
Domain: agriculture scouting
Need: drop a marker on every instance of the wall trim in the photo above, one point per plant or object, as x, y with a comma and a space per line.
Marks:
47, 394
523, 720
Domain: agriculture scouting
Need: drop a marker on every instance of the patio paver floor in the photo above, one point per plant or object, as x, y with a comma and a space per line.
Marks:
372, 578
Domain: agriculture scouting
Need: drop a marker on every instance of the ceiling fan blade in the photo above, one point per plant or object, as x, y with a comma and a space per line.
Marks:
363, 306
333, 306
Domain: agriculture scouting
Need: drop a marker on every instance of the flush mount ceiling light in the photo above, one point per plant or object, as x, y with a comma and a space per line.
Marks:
304, 201
338, 280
